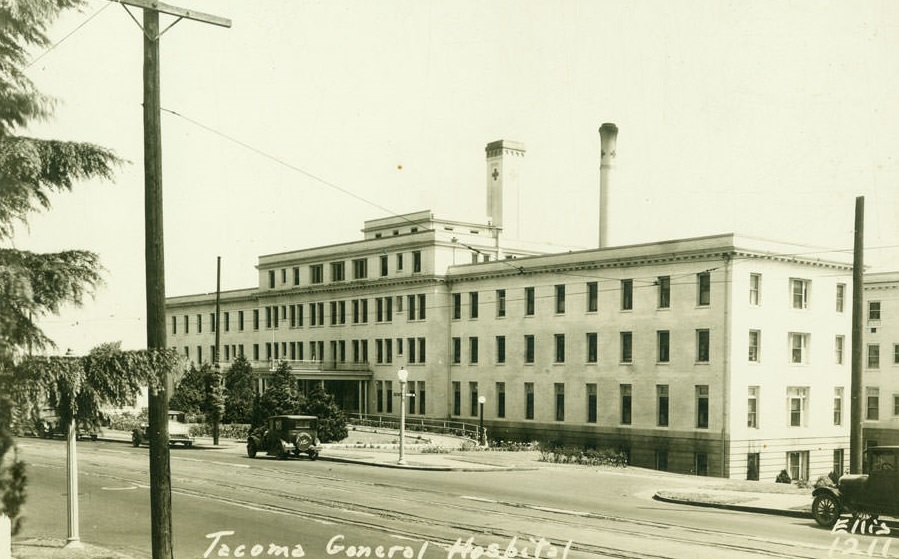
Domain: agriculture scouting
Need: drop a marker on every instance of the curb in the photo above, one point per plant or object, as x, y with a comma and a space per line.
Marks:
738, 508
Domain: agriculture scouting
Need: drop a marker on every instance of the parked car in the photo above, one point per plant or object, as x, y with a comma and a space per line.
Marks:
873, 493
286, 435
179, 431
49, 427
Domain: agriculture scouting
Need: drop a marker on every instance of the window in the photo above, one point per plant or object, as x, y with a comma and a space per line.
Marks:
755, 289
500, 349
873, 310
592, 296
416, 261
800, 293
240, 320
895, 405
500, 399
457, 398
383, 262
873, 356
473, 304
798, 348
838, 343
895, 354
529, 301
199, 324
457, 306
627, 355
422, 306
592, 347
296, 275
841, 296
702, 406
411, 307
560, 299
872, 407
702, 346
664, 283
703, 289
473, 350
701, 463
338, 271
838, 461
625, 390
663, 339
591, 403
627, 295
662, 459
255, 319
317, 273
559, 389
174, 325
797, 402
752, 408
560, 348
797, 464
662, 405
500, 303
529, 400
379, 394
271, 279
838, 405
186, 324
399, 266
360, 268
529, 348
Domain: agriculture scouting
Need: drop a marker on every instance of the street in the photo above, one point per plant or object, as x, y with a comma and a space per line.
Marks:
226, 505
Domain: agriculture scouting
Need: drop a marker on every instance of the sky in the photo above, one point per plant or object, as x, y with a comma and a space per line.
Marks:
304, 119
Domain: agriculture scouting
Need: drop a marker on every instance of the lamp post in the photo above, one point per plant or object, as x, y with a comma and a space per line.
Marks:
482, 436
403, 376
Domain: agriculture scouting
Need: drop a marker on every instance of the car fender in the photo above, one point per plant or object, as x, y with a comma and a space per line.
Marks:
831, 490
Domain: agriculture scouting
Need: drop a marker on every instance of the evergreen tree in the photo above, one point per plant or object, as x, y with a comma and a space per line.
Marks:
189, 395
280, 397
331, 419
241, 390
31, 170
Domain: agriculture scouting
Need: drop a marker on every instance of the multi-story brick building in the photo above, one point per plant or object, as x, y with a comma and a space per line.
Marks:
880, 359
718, 355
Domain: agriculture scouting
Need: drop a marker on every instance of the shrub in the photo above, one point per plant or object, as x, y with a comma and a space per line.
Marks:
824, 481
558, 454
127, 421
783, 477
235, 431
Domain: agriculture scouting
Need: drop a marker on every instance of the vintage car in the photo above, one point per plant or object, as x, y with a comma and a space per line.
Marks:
286, 435
49, 427
179, 431
870, 494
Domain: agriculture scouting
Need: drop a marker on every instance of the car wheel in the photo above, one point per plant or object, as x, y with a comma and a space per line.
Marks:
313, 455
188, 444
826, 509
251, 448
135, 439
93, 437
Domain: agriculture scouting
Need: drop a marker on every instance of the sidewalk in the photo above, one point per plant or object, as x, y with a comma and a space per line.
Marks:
760, 501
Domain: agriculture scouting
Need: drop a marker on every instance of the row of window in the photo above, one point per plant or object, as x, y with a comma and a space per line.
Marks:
338, 270
873, 360
798, 346
797, 406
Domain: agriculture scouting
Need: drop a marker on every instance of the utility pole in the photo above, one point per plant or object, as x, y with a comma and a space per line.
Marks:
217, 376
160, 473
856, 451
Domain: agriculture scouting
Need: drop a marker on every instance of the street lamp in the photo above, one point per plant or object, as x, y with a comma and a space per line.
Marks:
482, 436
403, 376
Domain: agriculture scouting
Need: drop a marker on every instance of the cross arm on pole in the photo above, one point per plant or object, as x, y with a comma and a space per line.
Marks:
176, 11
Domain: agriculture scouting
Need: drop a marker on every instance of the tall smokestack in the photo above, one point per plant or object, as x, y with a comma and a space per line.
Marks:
608, 138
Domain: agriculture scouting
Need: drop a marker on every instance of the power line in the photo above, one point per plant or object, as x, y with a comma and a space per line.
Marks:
69, 34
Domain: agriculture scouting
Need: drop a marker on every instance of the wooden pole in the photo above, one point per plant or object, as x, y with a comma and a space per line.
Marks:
73, 538
856, 449
217, 356
160, 473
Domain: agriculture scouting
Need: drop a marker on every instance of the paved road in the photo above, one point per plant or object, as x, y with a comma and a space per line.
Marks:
325, 508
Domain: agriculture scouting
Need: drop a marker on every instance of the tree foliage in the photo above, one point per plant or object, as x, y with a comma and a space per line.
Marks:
240, 388
36, 285
331, 419
190, 392
279, 398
